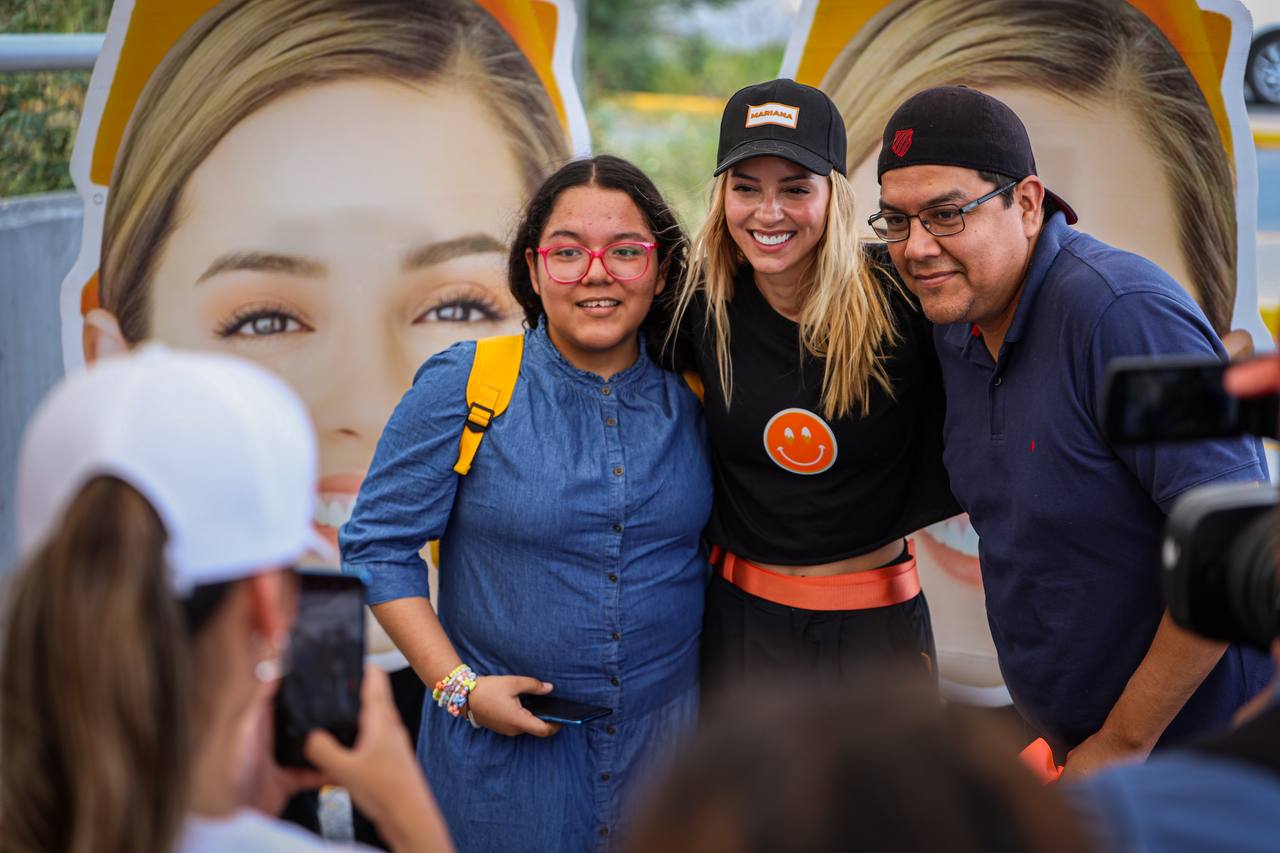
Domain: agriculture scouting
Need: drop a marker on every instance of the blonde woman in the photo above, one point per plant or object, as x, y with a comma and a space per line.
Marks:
823, 405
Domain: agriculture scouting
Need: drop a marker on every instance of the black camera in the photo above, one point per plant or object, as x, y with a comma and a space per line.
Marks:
1219, 552
1219, 563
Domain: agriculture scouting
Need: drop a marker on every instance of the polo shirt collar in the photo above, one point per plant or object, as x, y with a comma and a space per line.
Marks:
1054, 232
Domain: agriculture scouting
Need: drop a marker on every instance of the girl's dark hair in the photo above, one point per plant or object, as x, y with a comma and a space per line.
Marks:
611, 173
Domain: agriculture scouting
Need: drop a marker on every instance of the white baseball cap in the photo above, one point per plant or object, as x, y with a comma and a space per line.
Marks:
222, 449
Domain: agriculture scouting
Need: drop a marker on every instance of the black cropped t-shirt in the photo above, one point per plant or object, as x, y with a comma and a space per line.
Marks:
791, 488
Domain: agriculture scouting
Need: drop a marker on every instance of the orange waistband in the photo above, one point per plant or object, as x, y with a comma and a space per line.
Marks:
853, 591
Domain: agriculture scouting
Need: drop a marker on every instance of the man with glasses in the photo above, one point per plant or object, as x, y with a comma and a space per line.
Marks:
1028, 312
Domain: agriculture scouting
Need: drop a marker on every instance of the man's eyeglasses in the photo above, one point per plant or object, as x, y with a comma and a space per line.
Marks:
941, 220
567, 263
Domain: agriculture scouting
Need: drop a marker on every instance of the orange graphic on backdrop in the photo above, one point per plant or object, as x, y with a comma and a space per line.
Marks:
799, 441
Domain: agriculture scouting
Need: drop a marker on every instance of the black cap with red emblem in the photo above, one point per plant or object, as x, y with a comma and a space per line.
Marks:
959, 126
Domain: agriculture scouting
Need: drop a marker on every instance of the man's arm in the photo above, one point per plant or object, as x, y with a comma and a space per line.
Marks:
1177, 661
1175, 665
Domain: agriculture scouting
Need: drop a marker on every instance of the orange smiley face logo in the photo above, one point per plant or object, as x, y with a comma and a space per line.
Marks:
799, 441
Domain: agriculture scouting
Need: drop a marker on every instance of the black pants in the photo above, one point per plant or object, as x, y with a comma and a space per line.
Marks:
746, 638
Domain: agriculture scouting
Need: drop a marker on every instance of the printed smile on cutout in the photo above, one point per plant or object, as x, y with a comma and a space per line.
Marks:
333, 510
772, 239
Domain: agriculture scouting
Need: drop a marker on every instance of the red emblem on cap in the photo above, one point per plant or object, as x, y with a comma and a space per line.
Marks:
902, 141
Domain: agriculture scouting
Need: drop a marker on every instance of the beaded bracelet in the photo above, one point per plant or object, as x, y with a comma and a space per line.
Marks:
451, 692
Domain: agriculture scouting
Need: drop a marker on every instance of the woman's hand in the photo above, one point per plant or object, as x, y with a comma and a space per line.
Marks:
495, 704
381, 772
261, 783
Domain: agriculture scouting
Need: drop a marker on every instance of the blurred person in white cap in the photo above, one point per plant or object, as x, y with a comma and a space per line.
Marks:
162, 501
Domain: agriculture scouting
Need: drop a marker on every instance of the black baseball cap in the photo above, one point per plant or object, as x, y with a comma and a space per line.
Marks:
782, 118
959, 126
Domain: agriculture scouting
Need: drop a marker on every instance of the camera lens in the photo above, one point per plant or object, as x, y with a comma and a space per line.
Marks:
1220, 563
1251, 581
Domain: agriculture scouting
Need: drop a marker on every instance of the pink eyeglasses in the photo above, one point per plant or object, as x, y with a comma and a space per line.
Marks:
568, 263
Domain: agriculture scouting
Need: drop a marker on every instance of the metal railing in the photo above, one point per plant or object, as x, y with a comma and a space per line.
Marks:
49, 52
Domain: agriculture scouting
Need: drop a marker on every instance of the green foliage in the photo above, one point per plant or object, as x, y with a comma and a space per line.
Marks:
701, 68
54, 16
678, 151
39, 112
633, 47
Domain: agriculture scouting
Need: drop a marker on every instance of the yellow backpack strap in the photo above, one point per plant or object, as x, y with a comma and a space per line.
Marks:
493, 378
694, 381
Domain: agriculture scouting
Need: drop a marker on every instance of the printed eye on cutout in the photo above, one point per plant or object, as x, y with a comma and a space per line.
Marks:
799, 441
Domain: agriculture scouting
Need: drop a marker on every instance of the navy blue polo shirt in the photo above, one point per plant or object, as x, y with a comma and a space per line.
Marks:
1070, 527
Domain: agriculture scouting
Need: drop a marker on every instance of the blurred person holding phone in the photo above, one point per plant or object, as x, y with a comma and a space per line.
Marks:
162, 499
570, 553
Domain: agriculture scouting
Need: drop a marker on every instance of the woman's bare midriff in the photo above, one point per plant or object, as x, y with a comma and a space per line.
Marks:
861, 563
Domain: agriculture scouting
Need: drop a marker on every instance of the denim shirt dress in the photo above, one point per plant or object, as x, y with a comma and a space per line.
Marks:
571, 553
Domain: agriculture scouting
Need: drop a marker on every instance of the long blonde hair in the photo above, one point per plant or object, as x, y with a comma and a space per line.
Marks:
1079, 50
95, 728
845, 316
244, 53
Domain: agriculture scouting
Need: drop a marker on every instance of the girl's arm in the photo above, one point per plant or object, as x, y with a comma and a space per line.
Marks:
494, 703
405, 500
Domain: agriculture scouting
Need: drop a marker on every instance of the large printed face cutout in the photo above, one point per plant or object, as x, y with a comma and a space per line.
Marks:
344, 264
799, 441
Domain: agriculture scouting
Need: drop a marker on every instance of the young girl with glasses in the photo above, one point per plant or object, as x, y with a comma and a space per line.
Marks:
823, 406
571, 560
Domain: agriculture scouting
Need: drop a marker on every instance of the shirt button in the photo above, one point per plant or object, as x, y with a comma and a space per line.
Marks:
606, 390
614, 681
999, 379
610, 730
604, 832
604, 777
617, 528
610, 421
617, 636
613, 578
618, 471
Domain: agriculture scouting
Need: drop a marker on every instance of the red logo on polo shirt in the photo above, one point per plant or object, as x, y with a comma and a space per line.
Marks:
799, 441
902, 141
